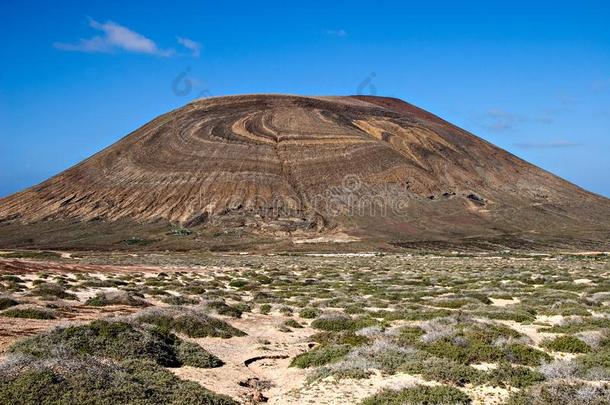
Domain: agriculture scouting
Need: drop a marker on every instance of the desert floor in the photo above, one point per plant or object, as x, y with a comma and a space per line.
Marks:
338, 329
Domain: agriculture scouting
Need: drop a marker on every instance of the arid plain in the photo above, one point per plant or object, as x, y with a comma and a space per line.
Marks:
308, 328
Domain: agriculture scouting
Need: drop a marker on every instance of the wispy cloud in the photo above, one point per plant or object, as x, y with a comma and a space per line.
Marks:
193, 46
547, 145
566, 100
498, 120
114, 37
600, 85
336, 33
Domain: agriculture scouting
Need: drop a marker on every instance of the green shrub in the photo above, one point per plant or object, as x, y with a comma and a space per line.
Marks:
453, 304
196, 288
191, 322
261, 278
506, 315
320, 356
309, 313
410, 334
333, 322
11, 277
389, 357
518, 377
420, 314
101, 338
599, 359
103, 299
238, 282
567, 344
52, 291
355, 309
339, 338
243, 307
43, 255
29, 313
467, 353
191, 354
263, 297
223, 309
561, 392
476, 349
90, 381
286, 310
179, 300
420, 394
339, 321
483, 298
7, 302
448, 371
291, 323
154, 291
575, 326
107, 283
525, 355
340, 371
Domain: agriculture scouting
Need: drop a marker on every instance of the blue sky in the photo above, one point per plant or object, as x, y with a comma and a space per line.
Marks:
531, 77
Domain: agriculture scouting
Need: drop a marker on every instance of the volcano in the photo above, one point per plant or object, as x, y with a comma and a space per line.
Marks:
281, 172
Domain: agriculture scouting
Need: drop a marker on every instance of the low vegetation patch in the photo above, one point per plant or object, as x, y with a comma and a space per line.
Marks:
238, 283
25, 254
91, 381
52, 291
514, 376
180, 300
115, 340
191, 322
562, 392
419, 394
567, 344
292, 323
309, 313
7, 302
223, 309
103, 299
445, 371
193, 355
29, 312
339, 322
320, 356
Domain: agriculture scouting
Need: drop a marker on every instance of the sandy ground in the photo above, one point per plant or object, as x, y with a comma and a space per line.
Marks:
499, 302
334, 238
257, 365
263, 355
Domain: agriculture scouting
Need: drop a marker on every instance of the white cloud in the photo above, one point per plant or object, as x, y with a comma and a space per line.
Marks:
193, 46
115, 37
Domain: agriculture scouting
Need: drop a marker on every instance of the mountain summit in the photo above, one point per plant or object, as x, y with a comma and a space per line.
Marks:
284, 170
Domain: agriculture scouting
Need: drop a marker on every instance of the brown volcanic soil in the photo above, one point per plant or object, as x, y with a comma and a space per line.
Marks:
270, 170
